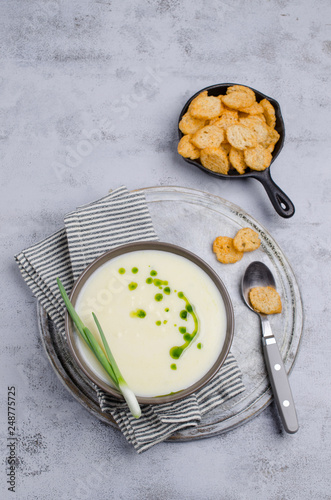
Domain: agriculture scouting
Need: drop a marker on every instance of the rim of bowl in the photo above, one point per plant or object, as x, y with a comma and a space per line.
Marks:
174, 249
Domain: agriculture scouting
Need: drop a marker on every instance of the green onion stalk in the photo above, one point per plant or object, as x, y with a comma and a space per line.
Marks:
106, 359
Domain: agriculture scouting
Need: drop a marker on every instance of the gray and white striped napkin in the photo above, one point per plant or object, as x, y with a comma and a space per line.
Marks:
118, 218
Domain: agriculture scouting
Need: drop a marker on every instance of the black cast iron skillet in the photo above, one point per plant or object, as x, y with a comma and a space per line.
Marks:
281, 202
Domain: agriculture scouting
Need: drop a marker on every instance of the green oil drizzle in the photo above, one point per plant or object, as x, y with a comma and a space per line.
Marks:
183, 314
199, 346
121, 270
139, 313
159, 283
177, 351
132, 285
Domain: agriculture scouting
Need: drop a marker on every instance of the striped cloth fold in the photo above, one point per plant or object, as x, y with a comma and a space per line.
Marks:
120, 217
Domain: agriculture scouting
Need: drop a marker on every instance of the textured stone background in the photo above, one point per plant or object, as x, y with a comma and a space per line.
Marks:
118, 72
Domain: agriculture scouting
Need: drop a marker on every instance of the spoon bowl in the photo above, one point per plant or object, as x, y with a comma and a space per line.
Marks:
280, 201
258, 274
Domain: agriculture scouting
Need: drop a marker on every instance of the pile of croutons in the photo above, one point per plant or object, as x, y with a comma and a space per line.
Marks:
231, 131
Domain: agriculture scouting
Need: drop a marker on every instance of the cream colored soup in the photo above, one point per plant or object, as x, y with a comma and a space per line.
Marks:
142, 300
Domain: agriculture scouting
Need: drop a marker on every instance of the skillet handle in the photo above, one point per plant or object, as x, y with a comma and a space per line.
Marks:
281, 202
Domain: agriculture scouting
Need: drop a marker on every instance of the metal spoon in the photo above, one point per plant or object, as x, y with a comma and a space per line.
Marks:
258, 274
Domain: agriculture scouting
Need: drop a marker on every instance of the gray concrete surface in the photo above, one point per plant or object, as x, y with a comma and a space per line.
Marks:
90, 92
